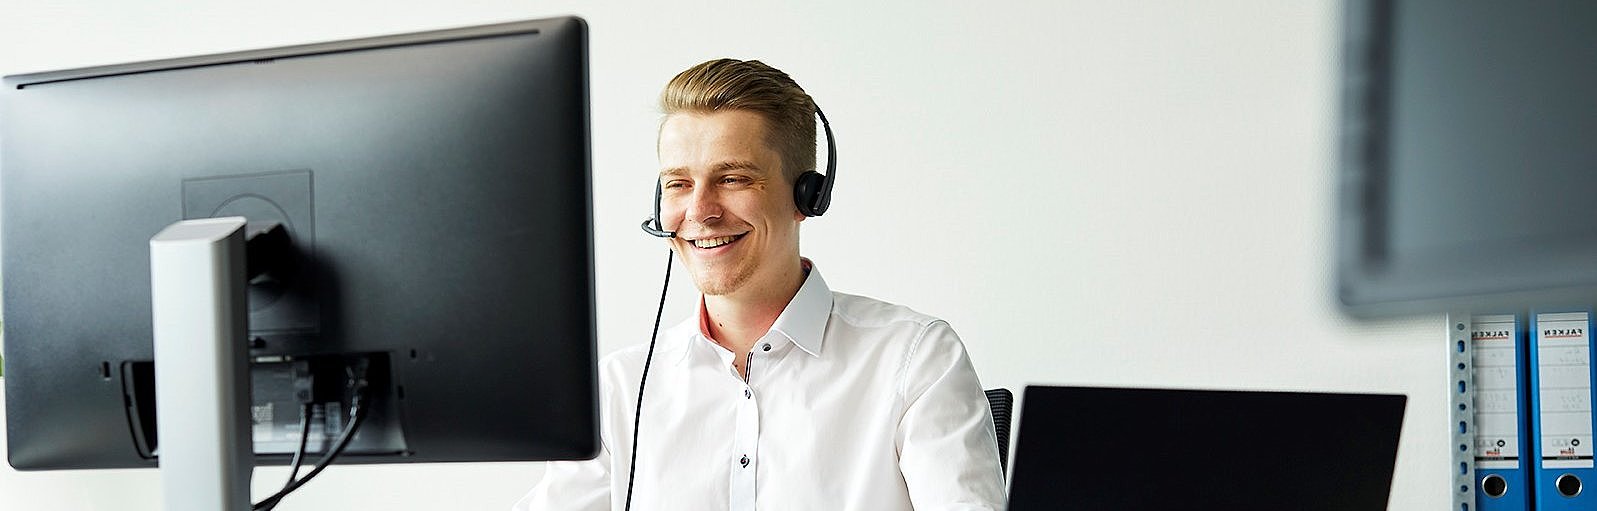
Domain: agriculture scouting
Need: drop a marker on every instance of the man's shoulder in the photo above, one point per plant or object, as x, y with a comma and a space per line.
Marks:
629, 360
897, 336
630, 355
867, 312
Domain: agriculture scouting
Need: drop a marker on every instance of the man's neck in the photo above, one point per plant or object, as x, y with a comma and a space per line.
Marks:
737, 320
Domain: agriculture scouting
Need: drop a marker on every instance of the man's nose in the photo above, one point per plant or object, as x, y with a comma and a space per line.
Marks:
704, 205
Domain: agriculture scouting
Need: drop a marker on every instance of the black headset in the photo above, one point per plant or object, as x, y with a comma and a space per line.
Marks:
812, 193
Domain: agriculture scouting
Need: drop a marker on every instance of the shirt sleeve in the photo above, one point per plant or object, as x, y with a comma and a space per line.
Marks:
571, 485
947, 448
582, 485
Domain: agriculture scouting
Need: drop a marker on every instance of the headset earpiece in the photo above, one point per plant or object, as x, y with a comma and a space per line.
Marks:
806, 193
813, 191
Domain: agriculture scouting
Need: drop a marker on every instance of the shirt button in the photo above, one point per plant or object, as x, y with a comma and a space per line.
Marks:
767, 347
747, 394
744, 461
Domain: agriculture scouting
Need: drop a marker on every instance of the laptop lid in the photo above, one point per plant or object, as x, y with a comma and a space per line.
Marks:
1133, 449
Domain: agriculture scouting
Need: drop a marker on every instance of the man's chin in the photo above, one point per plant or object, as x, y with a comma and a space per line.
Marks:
715, 288
718, 284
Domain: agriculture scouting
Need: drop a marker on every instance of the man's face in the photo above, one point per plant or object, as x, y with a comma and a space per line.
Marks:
723, 193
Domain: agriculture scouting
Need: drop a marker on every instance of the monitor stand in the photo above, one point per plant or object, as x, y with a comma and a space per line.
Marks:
197, 288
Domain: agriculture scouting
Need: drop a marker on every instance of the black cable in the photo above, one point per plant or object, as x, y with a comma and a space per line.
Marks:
357, 411
637, 417
304, 436
305, 411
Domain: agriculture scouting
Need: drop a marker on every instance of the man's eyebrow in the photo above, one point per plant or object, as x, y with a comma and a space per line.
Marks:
736, 165
719, 167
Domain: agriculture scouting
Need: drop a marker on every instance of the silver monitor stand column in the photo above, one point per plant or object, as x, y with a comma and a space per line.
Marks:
197, 286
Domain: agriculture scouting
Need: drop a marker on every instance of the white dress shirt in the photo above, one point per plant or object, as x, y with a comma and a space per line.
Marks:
850, 404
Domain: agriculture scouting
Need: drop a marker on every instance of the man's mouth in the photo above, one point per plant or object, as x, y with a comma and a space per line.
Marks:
707, 243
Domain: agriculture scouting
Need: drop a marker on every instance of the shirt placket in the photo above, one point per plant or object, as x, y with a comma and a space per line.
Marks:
747, 438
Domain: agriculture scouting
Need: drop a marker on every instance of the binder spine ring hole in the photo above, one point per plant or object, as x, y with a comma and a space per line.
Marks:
1494, 486
1568, 485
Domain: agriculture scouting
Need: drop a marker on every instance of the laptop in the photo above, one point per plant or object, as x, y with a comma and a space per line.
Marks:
1083, 448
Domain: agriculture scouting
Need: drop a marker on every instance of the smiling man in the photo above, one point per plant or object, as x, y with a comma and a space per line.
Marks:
778, 393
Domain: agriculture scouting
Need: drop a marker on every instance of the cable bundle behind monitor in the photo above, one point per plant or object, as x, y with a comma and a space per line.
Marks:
357, 414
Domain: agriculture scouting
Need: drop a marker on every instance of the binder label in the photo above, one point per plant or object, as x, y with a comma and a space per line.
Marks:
1496, 390
1565, 388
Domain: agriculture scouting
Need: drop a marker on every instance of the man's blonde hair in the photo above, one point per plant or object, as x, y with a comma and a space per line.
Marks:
729, 84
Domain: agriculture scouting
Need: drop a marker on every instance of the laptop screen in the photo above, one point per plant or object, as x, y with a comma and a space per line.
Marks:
1133, 449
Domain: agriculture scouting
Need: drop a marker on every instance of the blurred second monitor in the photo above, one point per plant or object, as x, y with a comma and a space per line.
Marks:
1468, 163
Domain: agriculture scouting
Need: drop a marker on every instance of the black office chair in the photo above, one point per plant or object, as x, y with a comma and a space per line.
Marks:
1002, 402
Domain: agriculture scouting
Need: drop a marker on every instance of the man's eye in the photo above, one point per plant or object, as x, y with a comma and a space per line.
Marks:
732, 180
675, 184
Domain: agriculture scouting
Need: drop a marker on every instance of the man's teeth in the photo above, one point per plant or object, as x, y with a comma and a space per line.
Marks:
714, 242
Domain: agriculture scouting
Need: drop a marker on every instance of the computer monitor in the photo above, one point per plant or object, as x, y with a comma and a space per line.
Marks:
435, 190
1468, 163
1137, 449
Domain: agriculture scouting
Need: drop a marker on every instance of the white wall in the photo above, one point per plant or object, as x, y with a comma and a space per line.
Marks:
1103, 193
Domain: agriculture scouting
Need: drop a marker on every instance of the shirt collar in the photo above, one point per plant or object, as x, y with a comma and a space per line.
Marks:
803, 321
